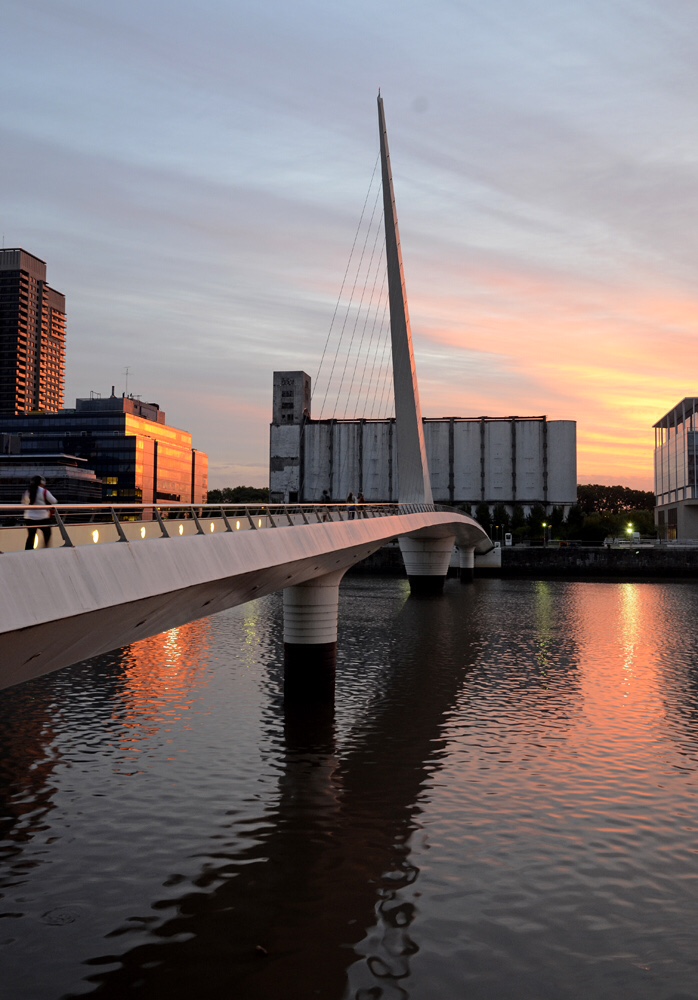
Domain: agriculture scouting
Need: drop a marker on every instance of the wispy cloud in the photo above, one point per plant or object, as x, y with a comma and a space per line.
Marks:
194, 177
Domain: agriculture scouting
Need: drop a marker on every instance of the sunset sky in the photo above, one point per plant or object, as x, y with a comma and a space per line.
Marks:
194, 174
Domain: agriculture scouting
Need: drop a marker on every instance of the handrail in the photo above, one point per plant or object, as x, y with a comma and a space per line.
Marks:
82, 524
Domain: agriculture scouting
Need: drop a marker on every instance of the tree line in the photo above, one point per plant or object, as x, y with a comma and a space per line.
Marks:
600, 512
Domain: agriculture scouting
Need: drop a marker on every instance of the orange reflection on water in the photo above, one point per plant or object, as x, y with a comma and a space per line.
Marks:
619, 636
163, 677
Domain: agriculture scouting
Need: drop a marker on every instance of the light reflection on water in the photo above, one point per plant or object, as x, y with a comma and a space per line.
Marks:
503, 804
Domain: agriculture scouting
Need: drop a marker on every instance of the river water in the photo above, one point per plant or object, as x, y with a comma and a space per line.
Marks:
503, 804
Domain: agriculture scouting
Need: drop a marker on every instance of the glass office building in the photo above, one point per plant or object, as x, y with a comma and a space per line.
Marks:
676, 471
136, 455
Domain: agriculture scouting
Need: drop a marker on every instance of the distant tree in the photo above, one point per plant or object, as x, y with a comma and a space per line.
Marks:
239, 494
518, 523
574, 522
535, 519
643, 521
596, 527
596, 499
557, 521
501, 516
500, 522
482, 514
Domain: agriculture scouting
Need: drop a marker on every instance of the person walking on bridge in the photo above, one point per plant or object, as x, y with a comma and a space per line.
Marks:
38, 518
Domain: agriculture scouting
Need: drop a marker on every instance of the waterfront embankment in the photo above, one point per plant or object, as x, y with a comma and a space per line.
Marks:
663, 561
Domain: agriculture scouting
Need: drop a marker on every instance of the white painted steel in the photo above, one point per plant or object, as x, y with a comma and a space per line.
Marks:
311, 610
62, 605
427, 556
414, 483
466, 557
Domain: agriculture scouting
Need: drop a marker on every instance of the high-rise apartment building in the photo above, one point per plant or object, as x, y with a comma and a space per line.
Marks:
32, 337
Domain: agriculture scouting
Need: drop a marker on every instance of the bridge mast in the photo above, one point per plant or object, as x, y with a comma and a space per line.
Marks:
413, 472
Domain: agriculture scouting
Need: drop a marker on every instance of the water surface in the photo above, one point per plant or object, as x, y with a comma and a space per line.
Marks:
502, 805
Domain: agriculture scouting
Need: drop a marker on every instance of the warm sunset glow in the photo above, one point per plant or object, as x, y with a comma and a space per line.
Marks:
544, 184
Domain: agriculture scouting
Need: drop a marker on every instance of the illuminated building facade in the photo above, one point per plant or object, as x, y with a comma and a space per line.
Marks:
676, 471
128, 444
32, 337
514, 461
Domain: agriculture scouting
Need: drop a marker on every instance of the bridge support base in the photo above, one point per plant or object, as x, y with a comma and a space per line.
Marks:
466, 564
310, 638
426, 562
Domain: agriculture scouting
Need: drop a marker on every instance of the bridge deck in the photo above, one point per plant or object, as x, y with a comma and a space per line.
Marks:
71, 602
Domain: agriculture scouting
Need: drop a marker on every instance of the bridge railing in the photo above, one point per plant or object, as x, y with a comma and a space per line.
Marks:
98, 524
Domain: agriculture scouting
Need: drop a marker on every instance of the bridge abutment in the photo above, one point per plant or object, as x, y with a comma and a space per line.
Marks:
310, 638
426, 562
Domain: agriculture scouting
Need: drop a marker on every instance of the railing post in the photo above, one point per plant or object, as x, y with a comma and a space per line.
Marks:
163, 529
117, 523
61, 527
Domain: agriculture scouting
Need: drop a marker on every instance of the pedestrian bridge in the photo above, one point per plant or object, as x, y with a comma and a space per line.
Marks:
114, 575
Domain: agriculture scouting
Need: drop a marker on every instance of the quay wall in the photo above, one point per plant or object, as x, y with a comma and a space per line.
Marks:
661, 561
592, 562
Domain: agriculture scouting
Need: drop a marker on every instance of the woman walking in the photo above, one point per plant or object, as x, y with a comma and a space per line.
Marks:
39, 517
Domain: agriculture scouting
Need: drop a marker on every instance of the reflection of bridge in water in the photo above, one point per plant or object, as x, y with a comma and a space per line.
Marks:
73, 602
333, 852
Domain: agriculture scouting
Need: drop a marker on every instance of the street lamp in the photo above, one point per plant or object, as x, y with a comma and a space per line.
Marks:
545, 527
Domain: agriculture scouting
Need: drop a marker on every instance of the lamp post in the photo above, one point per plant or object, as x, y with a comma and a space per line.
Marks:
545, 529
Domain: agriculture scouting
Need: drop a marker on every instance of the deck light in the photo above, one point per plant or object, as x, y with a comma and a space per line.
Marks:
143, 532
213, 527
237, 525
95, 536
181, 529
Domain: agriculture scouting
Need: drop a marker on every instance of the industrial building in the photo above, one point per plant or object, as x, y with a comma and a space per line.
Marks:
32, 336
515, 461
676, 471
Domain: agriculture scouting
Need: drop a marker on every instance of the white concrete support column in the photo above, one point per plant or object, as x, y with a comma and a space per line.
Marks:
310, 637
426, 562
466, 563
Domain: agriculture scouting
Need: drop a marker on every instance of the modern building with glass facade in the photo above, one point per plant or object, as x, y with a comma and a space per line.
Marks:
32, 337
676, 471
128, 444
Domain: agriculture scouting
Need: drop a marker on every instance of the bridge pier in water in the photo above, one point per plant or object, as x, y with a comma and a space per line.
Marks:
466, 563
310, 638
426, 563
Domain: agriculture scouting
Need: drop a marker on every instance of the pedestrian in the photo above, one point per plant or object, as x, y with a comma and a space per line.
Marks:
361, 500
352, 508
325, 497
38, 518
